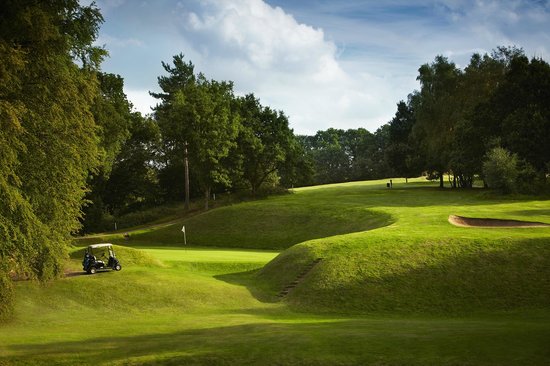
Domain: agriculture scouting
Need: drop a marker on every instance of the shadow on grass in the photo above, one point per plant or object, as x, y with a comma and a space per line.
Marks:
532, 212
248, 280
336, 342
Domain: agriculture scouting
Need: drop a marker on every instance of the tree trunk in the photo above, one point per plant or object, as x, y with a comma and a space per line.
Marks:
186, 162
206, 197
406, 180
254, 189
441, 180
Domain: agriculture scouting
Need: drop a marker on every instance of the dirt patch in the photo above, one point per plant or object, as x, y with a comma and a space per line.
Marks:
74, 273
486, 222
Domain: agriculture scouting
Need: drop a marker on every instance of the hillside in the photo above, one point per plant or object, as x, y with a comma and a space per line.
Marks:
397, 284
383, 249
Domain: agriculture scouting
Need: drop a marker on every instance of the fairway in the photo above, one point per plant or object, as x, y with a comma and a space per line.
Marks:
397, 284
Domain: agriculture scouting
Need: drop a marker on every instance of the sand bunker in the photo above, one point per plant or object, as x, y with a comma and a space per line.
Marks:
473, 222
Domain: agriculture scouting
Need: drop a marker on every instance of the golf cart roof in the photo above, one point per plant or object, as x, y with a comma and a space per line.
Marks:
100, 245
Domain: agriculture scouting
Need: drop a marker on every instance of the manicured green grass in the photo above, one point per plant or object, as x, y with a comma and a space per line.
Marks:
420, 263
174, 315
398, 285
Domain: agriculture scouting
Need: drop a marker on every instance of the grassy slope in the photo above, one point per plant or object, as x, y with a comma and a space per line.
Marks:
421, 263
194, 310
414, 261
183, 314
273, 223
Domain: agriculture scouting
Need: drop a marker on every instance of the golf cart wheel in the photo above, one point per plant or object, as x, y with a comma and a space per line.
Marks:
118, 267
92, 270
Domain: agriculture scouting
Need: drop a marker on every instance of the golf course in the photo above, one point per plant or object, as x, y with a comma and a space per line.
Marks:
342, 274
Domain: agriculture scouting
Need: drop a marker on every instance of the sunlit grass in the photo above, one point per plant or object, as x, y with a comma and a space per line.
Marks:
398, 285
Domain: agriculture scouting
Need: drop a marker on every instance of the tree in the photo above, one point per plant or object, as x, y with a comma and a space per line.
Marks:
517, 114
436, 112
500, 169
112, 115
403, 151
341, 156
197, 113
297, 169
264, 141
132, 182
332, 163
48, 141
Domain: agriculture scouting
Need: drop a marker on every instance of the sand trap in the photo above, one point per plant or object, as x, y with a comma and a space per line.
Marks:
473, 222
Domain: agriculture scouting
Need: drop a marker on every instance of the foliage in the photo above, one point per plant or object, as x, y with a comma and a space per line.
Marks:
132, 182
111, 111
500, 170
458, 116
48, 136
340, 156
403, 152
436, 111
297, 169
264, 141
196, 114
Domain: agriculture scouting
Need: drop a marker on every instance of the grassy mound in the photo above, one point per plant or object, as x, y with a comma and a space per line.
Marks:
127, 256
176, 316
383, 250
150, 283
268, 224
385, 274
420, 263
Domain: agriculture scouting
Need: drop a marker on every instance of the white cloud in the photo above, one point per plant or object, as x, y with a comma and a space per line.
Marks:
141, 100
288, 65
348, 70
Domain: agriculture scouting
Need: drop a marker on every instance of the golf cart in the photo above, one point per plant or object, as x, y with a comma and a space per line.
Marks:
91, 264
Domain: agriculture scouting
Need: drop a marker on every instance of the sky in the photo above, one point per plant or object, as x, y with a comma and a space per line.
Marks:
324, 63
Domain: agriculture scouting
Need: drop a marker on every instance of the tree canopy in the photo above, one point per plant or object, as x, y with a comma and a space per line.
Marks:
48, 139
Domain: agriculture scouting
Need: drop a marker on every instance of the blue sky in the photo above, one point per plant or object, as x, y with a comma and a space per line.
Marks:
342, 64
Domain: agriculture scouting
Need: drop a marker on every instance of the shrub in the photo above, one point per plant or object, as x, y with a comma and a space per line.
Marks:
500, 169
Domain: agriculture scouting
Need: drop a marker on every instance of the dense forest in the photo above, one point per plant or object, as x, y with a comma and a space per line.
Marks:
73, 153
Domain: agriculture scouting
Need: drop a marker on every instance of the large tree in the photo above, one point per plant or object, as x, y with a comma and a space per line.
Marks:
264, 141
197, 114
48, 141
436, 112
403, 153
112, 114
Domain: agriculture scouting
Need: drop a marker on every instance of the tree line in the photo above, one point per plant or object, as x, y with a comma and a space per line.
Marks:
460, 120
489, 121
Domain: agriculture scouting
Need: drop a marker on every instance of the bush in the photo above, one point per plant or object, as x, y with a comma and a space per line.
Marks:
501, 170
